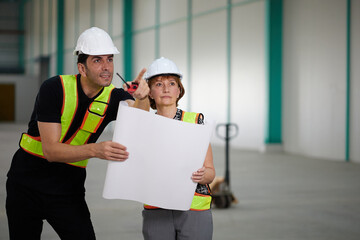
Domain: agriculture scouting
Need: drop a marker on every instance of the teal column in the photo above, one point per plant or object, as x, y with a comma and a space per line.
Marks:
92, 13
41, 41
128, 24
189, 52
157, 29
50, 7
228, 53
110, 17
21, 62
274, 24
60, 36
348, 64
76, 27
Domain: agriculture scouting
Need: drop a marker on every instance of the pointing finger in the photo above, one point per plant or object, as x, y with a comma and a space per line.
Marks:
141, 75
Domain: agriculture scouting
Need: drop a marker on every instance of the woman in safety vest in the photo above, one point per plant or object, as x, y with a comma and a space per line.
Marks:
166, 89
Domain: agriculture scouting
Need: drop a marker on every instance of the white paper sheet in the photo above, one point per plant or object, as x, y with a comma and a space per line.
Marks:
163, 154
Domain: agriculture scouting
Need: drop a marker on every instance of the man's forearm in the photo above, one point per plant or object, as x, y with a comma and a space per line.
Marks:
61, 152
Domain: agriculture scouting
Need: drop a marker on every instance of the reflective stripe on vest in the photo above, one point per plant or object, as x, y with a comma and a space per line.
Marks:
190, 117
31, 145
92, 119
200, 202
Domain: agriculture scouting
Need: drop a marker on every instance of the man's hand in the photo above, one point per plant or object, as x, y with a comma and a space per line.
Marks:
109, 150
55, 151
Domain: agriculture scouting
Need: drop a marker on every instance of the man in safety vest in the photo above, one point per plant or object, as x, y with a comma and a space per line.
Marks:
47, 174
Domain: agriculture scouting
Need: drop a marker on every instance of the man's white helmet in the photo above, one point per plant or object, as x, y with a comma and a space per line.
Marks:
162, 66
95, 41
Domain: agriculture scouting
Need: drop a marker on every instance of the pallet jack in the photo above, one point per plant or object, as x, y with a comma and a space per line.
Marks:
221, 191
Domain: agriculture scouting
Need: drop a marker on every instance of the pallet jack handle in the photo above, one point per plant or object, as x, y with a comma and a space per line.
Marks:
231, 131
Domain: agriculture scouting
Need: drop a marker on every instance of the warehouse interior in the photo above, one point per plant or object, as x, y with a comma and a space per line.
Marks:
283, 71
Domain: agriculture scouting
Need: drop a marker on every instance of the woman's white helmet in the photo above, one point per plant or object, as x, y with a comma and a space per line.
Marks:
162, 66
95, 41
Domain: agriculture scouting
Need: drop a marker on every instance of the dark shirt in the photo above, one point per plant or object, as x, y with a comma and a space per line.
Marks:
50, 177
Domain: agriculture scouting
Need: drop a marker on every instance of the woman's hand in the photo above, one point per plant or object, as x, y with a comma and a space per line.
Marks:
199, 175
206, 174
143, 89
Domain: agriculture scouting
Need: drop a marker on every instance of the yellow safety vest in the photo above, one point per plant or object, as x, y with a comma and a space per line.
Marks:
91, 122
200, 202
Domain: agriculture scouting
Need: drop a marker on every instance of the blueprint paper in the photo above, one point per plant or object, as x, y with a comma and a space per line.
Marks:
163, 154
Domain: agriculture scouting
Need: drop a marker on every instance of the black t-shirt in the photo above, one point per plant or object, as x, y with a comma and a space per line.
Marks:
50, 177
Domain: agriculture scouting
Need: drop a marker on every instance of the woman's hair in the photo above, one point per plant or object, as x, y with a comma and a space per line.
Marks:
178, 81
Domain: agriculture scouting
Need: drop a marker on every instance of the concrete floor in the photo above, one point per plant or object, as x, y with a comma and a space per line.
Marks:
280, 196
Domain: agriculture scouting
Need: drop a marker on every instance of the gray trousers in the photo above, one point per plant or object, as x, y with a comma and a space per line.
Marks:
162, 224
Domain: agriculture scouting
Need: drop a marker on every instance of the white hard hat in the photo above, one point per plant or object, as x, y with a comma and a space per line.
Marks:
95, 41
162, 66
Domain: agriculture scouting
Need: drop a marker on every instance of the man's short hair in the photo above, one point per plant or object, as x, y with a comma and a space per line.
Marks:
82, 58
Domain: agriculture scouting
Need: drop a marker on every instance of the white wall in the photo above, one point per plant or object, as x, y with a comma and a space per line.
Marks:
314, 95
209, 76
314, 62
248, 87
207, 82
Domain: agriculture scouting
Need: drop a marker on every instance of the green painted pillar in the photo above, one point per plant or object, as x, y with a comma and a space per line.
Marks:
128, 25
60, 36
157, 29
274, 11
189, 53
348, 80
21, 63
228, 54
